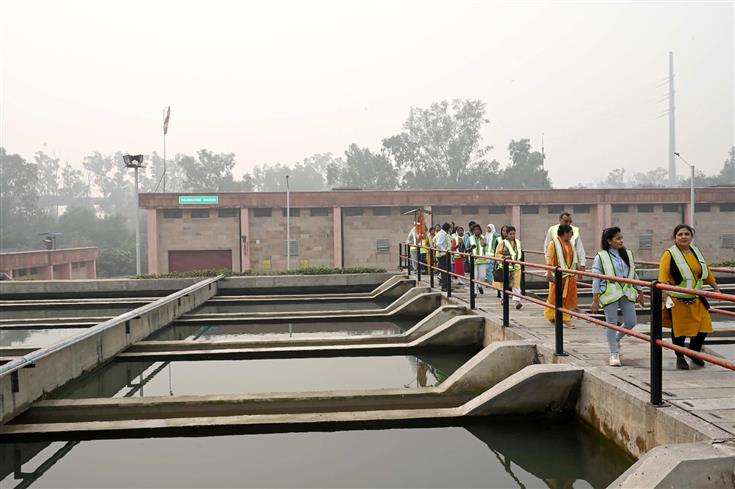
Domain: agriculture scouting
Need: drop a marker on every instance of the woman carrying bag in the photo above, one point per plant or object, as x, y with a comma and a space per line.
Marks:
687, 315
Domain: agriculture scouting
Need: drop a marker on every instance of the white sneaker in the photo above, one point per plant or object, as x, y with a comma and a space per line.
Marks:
615, 360
620, 351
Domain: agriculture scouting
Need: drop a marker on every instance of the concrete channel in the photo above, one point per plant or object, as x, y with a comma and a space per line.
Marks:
93, 385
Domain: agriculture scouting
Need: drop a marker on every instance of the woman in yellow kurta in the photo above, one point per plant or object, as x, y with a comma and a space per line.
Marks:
510, 247
683, 265
561, 253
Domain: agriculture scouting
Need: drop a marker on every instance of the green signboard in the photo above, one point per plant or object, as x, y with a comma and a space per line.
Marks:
198, 199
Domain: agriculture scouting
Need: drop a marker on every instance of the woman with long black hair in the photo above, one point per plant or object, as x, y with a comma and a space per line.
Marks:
614, 260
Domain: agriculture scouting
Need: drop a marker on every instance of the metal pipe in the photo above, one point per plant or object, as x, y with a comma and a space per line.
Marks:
288, 225
558, 314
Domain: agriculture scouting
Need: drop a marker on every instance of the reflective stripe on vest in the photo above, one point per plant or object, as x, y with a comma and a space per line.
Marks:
515, 254
614, 291
479, 250
688, 280
560, 257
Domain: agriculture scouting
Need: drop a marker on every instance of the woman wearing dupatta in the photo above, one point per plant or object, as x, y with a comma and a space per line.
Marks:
561, 253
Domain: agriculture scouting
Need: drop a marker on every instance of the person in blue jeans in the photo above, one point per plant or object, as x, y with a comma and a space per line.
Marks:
614, 260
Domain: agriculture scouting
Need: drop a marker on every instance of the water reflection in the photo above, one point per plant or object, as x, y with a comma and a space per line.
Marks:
36, 337
498, 453
279, 330
211, 377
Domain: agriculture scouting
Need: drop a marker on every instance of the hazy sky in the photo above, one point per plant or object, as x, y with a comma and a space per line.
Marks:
279, 81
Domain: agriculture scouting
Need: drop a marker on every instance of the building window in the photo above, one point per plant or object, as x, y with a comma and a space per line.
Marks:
319, 211
382, 246
645, 240
294, 248
529, 209
581, 209
33, 271
729, 207
352, 211
555, 209
645, 208
21, 273
701, 207
470, 210
75, 265
295, 212
671, 207
442, 210
381, 211
407, 210
620, 208
496, 209
727, 241
199, 213
263, 212
172, 213
227, 213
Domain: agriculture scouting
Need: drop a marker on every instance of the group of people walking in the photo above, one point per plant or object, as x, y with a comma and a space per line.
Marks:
682, 265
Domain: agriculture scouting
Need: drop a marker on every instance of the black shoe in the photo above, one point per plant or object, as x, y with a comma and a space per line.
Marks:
482, 291
681, 363
697, 362
498, 293
519, 305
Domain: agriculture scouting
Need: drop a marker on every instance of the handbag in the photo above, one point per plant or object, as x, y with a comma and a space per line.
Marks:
498, 274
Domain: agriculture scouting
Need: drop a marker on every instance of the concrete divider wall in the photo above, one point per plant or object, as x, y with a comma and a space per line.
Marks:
292, 284
98, 345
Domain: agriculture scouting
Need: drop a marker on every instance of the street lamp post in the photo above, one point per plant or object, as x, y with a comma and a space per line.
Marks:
691, 189
288, 225
135, 162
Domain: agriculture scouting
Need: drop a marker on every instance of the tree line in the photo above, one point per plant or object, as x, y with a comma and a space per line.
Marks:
439, 147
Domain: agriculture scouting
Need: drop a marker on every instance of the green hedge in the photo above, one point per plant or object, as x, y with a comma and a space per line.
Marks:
229, 273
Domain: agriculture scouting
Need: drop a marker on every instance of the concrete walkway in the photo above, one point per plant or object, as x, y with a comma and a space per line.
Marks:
707, 392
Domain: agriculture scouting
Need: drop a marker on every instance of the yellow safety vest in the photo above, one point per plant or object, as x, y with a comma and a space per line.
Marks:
614, 291
479, 249
688, 281
560, 257
515, 252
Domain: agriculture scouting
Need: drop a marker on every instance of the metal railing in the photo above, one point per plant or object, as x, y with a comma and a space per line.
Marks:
656, 289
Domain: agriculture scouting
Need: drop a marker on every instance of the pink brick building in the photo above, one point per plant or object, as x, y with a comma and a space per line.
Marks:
247, 230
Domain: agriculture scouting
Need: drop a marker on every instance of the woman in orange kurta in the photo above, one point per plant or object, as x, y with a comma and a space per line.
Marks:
569, 281
687, 316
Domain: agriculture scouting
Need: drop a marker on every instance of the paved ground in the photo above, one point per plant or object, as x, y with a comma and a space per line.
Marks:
707, 392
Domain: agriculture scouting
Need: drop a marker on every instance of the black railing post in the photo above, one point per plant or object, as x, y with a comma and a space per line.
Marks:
523, 275
400, 256
430, 266
558, 314
408, 247
506, 297
472, 281
656, 350
448, 263
418, 266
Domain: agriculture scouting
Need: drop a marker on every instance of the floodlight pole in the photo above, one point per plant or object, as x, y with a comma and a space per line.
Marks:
288, 225
137, 227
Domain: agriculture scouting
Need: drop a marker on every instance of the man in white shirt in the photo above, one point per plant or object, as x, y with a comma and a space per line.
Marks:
411, 239
443, 243
566, 218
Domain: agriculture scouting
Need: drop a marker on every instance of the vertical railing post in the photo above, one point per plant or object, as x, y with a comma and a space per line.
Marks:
506, 297
558, 314
448, 263
400, 256
418, 266
472, 281
656, 350
523, 274
408, 247
430, 266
